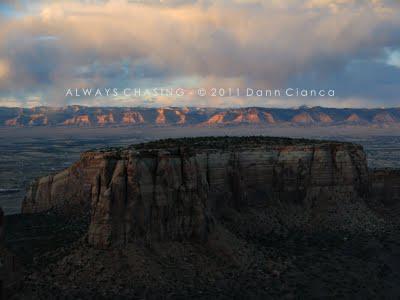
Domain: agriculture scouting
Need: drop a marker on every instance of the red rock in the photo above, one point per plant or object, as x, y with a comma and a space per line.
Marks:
132, 118
105, 119
302, 118
324, 118
78, 120
182, 116
353, 118
161, 119
216, 119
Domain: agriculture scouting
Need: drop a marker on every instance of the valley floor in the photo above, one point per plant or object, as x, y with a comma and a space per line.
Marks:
28, 153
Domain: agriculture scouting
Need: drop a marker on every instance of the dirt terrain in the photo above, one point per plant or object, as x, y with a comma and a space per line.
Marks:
293, 265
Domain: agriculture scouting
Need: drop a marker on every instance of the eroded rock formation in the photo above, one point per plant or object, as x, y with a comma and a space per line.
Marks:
81, 116
178, 189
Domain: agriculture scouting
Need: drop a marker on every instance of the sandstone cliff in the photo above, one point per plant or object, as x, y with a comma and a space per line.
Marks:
178, 189
82, 116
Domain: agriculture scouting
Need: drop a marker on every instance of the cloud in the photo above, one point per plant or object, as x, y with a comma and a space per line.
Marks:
4, 69
393, 58
247, 43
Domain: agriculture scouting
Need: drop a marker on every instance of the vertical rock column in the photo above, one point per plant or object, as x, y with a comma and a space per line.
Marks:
159, 196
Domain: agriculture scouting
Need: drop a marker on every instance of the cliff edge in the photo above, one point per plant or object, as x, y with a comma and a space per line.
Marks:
185, 188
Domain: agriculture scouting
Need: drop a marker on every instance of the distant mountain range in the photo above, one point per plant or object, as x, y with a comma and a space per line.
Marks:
83, 116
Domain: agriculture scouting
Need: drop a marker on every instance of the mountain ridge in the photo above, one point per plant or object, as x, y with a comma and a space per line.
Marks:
84, 116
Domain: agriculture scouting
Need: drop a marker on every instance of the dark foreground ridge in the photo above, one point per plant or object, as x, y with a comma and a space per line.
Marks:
208, 218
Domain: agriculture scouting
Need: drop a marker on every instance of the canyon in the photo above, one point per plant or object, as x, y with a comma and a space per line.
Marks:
82, 116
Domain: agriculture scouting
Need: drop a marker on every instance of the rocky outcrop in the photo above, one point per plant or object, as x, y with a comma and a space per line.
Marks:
303, 118
353, 118
324, 118
250, 116
105, 119
82, 120
174, 190
38, 119
215, 119
67, 191
182, 117
161, 119
132, 118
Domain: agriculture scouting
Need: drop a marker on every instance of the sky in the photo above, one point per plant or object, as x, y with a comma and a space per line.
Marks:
349, 46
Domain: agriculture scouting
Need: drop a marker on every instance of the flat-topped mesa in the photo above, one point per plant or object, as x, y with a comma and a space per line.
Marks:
176, 189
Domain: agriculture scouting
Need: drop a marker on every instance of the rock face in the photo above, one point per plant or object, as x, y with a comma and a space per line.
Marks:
324, 118
353, 118
177, 189
303, 118
81, 116
132, 118
216, 119
82, 120
105, 119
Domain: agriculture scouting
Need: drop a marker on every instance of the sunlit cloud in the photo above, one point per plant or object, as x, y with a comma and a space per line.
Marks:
54, 45
394, 58
4, 69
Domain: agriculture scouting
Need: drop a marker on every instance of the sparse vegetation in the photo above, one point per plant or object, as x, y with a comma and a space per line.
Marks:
224, 142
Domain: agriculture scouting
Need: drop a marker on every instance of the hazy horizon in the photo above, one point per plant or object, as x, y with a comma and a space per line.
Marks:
301, 106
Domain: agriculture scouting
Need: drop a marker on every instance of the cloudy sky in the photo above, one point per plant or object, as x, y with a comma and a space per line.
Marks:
351, 46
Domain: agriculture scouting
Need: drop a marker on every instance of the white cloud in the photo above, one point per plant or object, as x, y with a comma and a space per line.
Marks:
394, 58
